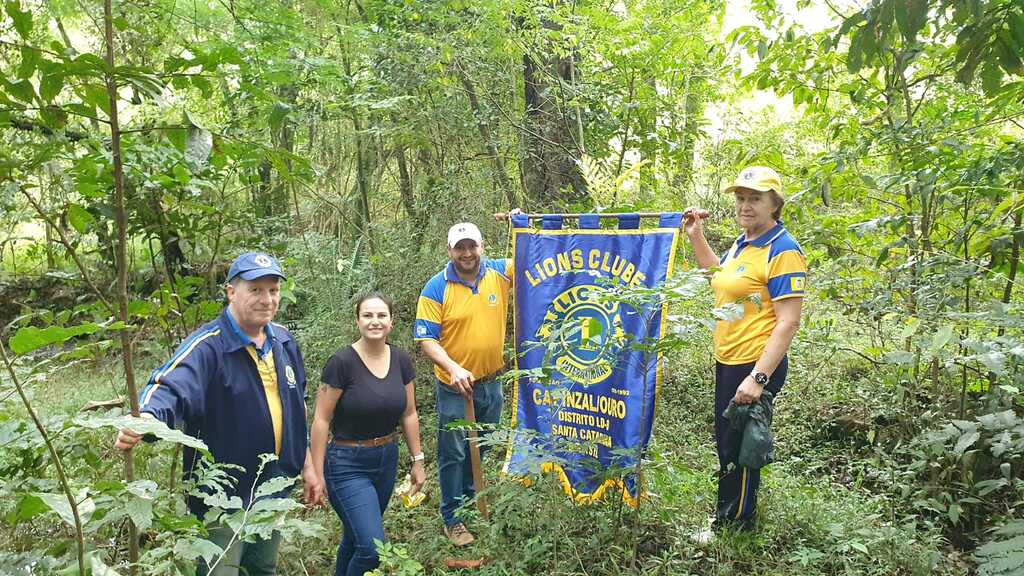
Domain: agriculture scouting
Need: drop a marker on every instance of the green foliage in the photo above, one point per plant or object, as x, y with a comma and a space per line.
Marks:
346, 138
966, 471
395, 560
1004, 554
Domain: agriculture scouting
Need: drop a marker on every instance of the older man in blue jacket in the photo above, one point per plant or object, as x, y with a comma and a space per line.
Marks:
238, 384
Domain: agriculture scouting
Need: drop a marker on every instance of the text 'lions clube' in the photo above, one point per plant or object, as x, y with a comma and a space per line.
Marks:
573, 261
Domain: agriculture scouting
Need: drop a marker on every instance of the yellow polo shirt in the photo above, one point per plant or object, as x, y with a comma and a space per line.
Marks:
268, 374
772, 267
467, 320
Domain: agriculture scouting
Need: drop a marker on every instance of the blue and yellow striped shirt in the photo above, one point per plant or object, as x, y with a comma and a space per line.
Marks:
772, 267
467, 320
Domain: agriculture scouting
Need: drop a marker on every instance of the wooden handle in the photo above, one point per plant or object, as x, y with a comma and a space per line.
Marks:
474, 458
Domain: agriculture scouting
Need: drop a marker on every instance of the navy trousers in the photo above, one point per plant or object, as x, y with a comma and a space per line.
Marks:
737, 486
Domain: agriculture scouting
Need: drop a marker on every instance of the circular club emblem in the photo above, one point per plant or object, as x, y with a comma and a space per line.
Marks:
586, 334
263, 260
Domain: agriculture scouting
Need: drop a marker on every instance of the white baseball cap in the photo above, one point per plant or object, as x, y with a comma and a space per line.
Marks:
464, 231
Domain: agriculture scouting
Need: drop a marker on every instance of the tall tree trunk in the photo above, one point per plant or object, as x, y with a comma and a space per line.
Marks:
407, 190
498, 163
122, 262
273, 193
364, 173
551, 176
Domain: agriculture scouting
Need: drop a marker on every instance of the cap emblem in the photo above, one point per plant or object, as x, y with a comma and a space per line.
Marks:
263, 260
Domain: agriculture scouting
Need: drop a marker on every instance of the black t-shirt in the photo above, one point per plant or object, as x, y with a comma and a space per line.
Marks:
369, 407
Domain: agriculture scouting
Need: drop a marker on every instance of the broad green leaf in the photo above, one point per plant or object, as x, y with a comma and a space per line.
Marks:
28, 507
50, 86
143, 489
911, 16
143, 308
59, 504
1012, 528
275, 505
965, 442
79, 218
22, 90
140, 511
22, 19
991, 78
912, 324
994, 361
30, 59
203, 84
191, 549
148, 426
96, 96
954, 513
1008, 51
278, 115
1001, 547
31, 338
89, 64
941, 338
222, 501
273, 486
855, 55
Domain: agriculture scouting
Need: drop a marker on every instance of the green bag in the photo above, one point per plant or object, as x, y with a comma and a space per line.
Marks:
754, 424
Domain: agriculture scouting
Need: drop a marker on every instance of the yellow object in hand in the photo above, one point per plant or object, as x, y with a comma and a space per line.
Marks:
410, 500
413, 500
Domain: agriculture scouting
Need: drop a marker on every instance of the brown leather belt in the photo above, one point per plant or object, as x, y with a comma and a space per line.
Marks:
371, 443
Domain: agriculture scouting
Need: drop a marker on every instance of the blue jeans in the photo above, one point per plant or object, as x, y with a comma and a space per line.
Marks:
359, 483
454, 468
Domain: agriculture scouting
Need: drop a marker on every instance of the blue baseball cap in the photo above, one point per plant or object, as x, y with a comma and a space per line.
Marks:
253, 265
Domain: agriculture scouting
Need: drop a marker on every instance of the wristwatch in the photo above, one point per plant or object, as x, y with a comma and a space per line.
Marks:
419, 457
759, 377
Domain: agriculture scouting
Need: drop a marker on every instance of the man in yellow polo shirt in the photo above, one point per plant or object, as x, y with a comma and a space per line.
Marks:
460, 325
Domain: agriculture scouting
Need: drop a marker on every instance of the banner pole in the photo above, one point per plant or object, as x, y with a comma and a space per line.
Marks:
602, 215
474, 458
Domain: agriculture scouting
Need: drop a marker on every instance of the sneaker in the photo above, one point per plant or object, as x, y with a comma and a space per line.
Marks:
458, 534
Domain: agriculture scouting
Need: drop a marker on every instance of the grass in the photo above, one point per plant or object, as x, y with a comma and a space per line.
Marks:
813, 521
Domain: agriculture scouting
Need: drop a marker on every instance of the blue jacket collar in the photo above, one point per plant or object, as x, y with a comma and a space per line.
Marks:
452, 276
764, 239
236, 339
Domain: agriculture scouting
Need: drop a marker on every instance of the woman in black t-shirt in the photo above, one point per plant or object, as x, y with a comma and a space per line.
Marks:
365, 394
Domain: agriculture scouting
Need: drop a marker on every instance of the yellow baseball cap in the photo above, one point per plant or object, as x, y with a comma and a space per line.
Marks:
760, 178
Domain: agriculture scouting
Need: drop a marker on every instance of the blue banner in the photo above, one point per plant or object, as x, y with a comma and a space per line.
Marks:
586, 409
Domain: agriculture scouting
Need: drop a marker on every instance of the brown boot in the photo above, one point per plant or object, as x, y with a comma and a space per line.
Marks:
458, 534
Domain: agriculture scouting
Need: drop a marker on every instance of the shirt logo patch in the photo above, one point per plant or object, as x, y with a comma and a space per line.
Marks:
289, 375
742, 268
796, 283
262, 260
421, 330
492, 300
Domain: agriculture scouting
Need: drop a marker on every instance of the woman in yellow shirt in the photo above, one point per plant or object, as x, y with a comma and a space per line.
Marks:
765, 269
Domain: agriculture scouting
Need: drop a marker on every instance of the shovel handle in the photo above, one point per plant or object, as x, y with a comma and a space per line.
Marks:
474, 458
